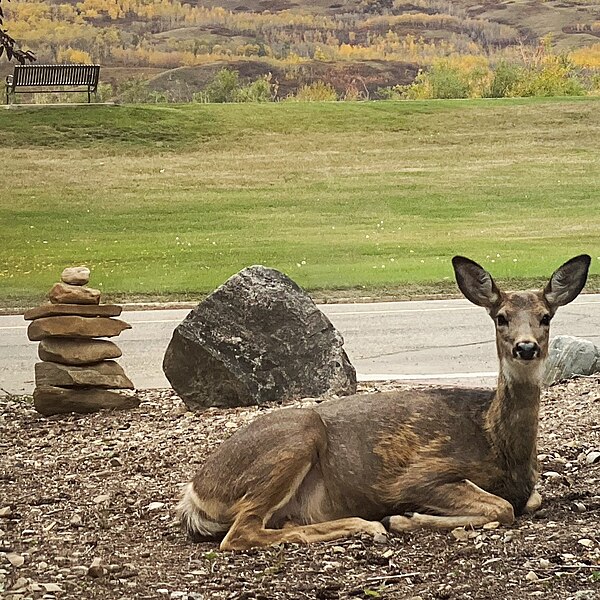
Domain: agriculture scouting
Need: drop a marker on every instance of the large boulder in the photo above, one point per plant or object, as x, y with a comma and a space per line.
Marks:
258, 338
568, 356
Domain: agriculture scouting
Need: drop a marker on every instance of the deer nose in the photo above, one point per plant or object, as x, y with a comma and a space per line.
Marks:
526, 350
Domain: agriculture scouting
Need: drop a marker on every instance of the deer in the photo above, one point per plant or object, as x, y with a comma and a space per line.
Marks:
440, 457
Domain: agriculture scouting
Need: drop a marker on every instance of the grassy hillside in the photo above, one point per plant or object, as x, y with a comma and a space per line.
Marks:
299, 41
169, 201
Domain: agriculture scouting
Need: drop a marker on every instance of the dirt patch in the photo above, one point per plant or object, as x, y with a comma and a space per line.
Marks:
100, 491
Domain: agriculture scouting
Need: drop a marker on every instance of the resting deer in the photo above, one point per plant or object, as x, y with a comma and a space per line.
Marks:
440, 457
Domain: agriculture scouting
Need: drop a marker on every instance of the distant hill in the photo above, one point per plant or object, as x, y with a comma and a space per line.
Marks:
363, 44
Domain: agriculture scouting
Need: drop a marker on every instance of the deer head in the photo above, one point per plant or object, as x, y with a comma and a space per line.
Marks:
522, 319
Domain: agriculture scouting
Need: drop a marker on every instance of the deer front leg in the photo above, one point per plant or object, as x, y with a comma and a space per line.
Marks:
458, 505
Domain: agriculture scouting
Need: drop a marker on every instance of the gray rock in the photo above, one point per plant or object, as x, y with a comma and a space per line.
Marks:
75, 275
568, 356
257, 338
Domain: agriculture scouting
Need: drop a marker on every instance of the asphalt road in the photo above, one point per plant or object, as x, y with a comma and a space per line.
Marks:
441, 340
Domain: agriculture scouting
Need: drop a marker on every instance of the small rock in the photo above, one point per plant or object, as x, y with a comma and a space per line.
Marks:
586, 542
64, 293
544, 563
16, 560
75, 275
20, 583
101, 498
580, 507
76, 520
531, 576
388, 554
592, 457
96, 569
492, 525
79, 570
338, 549
5, 511
380, 538
155, 506
115, 462
550, 474
51, 587
460, 534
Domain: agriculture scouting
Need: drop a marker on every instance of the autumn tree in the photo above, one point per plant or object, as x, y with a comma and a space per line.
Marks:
8, 44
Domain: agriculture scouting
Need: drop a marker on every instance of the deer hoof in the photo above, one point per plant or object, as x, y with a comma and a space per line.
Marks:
398, 523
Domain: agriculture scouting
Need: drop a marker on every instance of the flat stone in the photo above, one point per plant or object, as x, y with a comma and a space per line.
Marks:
77, 327
49, 400
106, 374
75, 275
64, 293
258, 338
82, 310
77, 351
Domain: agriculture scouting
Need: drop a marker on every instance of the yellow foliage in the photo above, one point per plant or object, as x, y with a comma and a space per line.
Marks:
71, 55
587, 57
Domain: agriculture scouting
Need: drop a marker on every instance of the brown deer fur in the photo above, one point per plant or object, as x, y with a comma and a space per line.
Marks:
438, 458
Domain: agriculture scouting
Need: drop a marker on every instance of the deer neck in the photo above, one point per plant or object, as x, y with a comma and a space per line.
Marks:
512, 417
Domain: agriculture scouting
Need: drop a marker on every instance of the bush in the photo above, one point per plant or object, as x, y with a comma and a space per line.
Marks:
555, 77
318, 91
224, 87
260, 90
504, 79
441, 81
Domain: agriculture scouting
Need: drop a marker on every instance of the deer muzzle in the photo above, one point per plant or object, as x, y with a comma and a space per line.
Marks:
526, 350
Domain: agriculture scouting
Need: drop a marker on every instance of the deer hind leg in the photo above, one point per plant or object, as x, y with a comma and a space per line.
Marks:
461, 505
248, 531
253, 514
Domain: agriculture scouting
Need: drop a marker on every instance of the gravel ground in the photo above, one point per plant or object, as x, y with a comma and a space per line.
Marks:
87, 512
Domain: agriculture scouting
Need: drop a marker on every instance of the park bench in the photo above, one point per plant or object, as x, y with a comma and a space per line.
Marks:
52, 78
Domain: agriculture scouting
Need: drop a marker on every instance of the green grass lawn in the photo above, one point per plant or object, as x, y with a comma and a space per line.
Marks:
169, 201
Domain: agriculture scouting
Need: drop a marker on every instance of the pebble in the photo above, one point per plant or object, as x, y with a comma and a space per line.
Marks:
586, 542
551, 474
580, 507
101, 498
544, 563
155, 506
592, 457
531, 576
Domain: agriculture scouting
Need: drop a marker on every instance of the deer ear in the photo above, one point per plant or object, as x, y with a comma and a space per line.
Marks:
567, 281
475, 282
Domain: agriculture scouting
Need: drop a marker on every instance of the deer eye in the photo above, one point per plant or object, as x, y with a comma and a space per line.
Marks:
501, 320
545, 320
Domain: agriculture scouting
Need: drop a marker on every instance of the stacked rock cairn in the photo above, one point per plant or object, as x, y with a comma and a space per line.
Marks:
77, 372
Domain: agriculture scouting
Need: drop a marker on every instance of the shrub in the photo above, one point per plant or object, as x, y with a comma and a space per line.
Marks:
556, 76
260, 90
318, 91
224, 86
505, 77
440, 81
